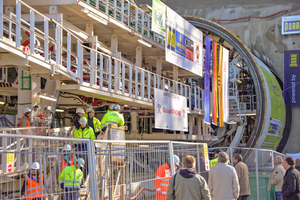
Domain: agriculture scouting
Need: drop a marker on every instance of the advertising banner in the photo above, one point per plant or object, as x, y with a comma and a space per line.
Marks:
159, 11
10, 160
207, 82
215, 85
184, 43
290, 25
291, 78
207, 164
170, 111
220, 87
225, 85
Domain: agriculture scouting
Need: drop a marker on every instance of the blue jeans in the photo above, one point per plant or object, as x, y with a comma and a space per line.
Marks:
71, 194
278, 195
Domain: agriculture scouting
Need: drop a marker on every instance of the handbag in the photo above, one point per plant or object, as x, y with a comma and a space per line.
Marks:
173, 197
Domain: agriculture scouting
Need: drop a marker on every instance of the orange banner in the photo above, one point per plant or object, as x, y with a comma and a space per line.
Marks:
215, 84
220, 88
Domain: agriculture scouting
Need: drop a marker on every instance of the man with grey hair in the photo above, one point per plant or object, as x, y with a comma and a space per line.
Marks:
223, 181
276, 179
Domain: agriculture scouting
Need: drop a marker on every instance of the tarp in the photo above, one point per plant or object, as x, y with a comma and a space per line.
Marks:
220, 88
225, 85
207, 82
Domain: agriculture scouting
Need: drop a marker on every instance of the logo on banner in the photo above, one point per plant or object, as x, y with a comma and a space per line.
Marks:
158, 107
294, 59
180, 44
183, 113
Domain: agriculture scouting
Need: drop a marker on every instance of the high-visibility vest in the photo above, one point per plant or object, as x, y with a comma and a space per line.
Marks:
64, 164
86, 133
33, 188
162, 180
114, 117
103, 120
28, 124
96, 122
215, 161
71, 177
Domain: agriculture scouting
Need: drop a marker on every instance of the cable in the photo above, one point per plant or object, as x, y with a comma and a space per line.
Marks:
248, 17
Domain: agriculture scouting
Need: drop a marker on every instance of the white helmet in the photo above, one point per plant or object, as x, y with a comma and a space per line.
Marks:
176, 160
67, 147
80, 161
111, 107
26, 110
79, 110
82, 120
35, 165
89, 109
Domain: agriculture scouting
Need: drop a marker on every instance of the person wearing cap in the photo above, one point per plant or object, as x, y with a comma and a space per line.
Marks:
70, 180
77, 116
33, 186
25, 121
114, 117
92, 121
68, 158
162, 178
110, 109
214, 161
83, 132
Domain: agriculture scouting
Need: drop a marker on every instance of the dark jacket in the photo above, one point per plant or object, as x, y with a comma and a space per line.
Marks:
290, 188
298, 168
243, 174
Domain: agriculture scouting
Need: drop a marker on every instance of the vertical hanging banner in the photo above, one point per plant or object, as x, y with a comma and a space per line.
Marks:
207, 82
220, 88
291, 78
159, 12
225, 85
215, 84
184, 43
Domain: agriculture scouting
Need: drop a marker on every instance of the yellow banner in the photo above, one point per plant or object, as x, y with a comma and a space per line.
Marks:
220, 88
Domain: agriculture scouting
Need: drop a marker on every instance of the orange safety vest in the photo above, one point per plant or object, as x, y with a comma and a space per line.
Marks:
162, 180
65, 164
28, 124
33, 189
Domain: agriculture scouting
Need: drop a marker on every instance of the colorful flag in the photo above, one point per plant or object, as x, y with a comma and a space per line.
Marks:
225, 85
220, 88
215, 84
207, 82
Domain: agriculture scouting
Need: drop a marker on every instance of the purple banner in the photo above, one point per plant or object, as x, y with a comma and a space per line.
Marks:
291, 78
207, 82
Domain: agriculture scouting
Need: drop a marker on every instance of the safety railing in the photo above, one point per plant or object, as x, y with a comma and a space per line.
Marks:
129, 14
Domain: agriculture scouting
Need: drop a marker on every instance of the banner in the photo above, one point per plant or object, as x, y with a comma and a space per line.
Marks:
220, 87
215, 84
170, 111
159, 11
225, 85
290, 25
291, 77
207, 82
184, 43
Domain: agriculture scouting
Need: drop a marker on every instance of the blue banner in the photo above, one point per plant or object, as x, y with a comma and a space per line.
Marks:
291, 78
180, 43
207, 82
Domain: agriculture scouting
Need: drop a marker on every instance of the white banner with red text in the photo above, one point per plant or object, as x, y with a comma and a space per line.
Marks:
170, 111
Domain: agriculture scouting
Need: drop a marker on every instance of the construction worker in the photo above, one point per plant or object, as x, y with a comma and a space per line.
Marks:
114, 117
214, 161
92, 121
33, 186
70, 180
84, 131
77, 116
162, 179
25, 121
110, 109
68, 158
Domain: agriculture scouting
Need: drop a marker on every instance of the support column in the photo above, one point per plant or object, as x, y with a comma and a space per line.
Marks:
175, 78
114, 43
134, 128
158, 65
93, 60
89, 29
199, 125
139, 56
191, 125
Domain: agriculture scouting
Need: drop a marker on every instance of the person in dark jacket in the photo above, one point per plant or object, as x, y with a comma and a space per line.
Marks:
297, 166
291, 180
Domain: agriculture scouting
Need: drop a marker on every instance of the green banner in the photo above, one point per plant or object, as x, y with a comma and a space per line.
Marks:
159, 12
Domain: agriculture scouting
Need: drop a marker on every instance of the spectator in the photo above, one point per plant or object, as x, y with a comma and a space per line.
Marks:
70, 179
188, 184
297, 166
77, 116
223, 180
162, 179
243, 175
276, 179
31, 188
203, 171
291, 180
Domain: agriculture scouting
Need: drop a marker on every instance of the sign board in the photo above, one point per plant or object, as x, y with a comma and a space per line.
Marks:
184, 43
159, 11
291, 77
290, 25
10, 162
207, 164
170, 111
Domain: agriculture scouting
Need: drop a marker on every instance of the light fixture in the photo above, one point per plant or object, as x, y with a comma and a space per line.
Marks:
144, 42
116, 22
47, 97
2, 102
143, 145
97, 18
59, 110
84, 10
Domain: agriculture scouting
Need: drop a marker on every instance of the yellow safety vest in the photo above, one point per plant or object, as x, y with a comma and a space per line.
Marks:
71, 177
